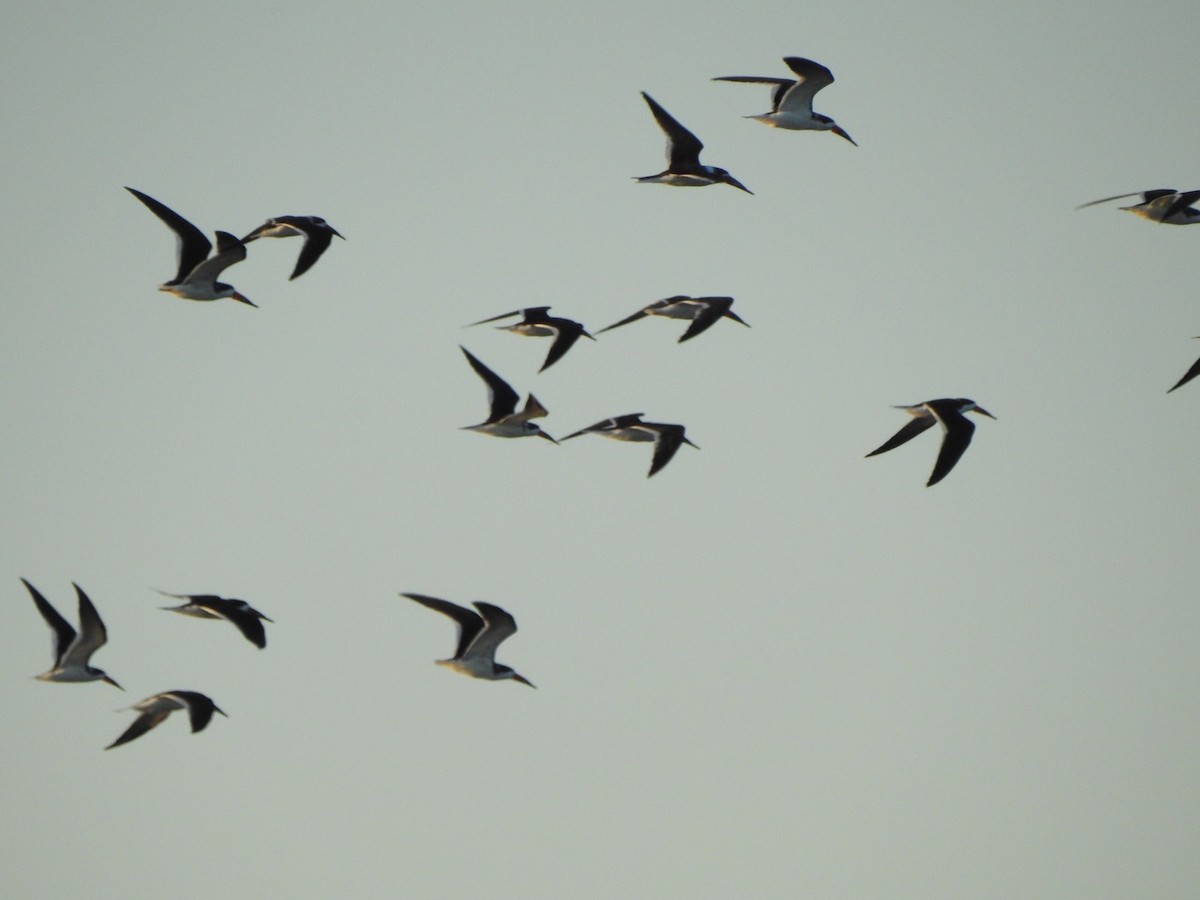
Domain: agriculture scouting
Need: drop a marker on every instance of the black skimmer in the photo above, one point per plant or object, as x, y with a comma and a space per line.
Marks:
157, 707
479, 634
791, 102
1188, 375
683, 157
1164, 205
503, 419
667, 438
208, 606
950, 414
197, 275
535, 322
71, 650
318, 234
703, 311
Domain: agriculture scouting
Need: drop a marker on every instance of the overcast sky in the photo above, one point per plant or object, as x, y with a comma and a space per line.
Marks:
776, 669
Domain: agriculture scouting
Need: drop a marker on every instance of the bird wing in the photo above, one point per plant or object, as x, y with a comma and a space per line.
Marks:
92, 633
810, 78
515, 312
141, 726
780, 85
248, 621
230, 250
922, 421
191, 246
711, 309
954, 443
502, 399
1182, 202
568, 332
683, 147
317, 238
62, 631
599, 426
1146, 196
1188, 376
469, 623
667, 442
199, 706
499, 625
640, 314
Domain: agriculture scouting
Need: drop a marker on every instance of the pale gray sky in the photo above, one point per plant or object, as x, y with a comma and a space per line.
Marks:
776, 669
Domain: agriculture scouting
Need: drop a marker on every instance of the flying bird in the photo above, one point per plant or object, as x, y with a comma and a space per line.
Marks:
503, 419
1188, 375
703, 311
791, 101
536, 322
950, 414
667, 438
683, 156
479, 634
208, 606
73, 650
196, 278
1164, 205
318, 234
157, 707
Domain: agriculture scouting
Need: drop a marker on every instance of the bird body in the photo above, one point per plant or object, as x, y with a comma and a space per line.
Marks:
72, 651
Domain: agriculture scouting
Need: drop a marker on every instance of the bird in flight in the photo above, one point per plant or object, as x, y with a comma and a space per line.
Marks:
503, 419
792, 99
703, 312
209, 606
684, 168
72, 650
196, 278
536, 321
479, 634
951, 415
318, 234
667, 438
1166, 206
156, 708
